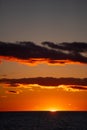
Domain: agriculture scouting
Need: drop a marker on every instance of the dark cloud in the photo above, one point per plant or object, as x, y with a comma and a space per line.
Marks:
29, 52
12, 91
74, 83
78, 87
71, 47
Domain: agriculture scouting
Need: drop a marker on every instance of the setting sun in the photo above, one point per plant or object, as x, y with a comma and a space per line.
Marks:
53, 110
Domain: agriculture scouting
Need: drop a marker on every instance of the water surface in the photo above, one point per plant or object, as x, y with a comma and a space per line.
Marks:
61, 120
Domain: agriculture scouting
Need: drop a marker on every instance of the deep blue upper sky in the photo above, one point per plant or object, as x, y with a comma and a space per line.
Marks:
41, 20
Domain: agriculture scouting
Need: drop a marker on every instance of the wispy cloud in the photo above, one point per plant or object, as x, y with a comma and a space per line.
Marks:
3, 96
73, 88
47, 52
3, 75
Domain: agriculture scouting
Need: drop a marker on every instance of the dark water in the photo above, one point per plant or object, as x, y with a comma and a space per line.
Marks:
43, 121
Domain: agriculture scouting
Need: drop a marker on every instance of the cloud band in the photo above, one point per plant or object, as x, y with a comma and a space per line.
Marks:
47, 52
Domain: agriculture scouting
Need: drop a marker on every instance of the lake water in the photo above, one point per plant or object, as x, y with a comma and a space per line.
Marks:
43, 120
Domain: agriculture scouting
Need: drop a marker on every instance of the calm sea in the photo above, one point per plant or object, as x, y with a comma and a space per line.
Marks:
43, 120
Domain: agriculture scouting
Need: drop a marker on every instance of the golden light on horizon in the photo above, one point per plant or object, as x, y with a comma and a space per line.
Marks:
53, 110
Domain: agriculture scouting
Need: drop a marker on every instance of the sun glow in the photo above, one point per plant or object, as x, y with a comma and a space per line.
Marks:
53, 110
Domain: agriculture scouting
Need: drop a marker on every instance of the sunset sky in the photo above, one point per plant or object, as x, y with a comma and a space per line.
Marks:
43, 55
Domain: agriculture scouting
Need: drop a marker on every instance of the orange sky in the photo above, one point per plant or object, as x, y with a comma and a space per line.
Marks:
36, 97
43, 86
58, 29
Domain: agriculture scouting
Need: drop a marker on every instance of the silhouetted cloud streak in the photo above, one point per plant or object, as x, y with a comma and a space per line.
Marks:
79, 87
71, 47
12, 92
29, 52
75, 83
